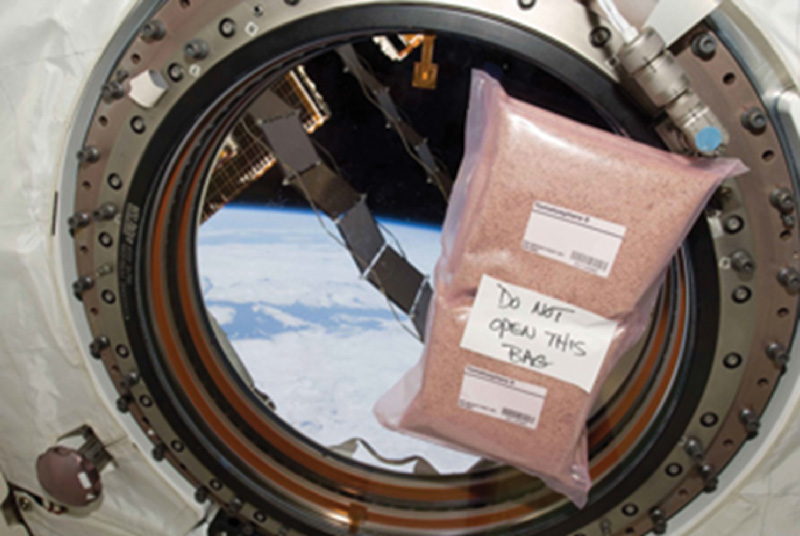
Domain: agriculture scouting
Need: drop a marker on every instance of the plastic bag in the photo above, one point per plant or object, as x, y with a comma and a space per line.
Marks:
554, 247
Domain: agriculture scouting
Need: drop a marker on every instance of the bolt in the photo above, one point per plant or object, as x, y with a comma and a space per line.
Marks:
709, 476
789, 221
741, 261
526, 4
105, 212
733, 224
783, 200
78, 221
789, 277
98, 345
108, 297
755, 120
159, 452
80, 286
197, 49
154, 30
694, 448
234, 507
123, 402
201, 494
105, 269
175, 72
227, 28
88, 155
600, 36
704, 46
113, 91
751, 422
130, 379
778, 353
25, 504
659, 519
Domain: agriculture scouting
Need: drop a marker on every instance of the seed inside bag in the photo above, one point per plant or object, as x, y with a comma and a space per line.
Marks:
555, 243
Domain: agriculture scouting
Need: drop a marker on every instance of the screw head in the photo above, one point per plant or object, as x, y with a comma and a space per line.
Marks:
196, 49
755, 120
154, 30
704, 46
733, 224
789, 277
113, 91
750, 420
98, 345
175, 72
778, 353
783, 199
88, 155
599, 36
741, 261
227, 28
741, 294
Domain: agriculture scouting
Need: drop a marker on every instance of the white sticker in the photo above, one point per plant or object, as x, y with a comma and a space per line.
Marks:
582, 241
536, 332
501, 397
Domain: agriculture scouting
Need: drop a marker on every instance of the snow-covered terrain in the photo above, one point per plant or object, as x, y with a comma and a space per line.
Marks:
320, 341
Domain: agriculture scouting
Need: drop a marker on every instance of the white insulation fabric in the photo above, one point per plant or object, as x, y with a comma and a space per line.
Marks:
47, 49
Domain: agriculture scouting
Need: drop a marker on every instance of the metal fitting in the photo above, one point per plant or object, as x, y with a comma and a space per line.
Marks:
227, 28
733, 224
159, 452
704, 46
778, 353
741, 261
123, 402
783, 199
664, 84
105, 212
789, 277
154, 30
78, 221
113, 91
755, 120
659, 519
197, 49
80, 286
709, 476
751, 422
98, 345
88, 155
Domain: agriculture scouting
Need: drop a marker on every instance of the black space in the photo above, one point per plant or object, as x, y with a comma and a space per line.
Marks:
372, 157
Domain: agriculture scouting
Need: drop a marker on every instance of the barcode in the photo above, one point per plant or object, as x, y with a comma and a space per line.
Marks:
517, 415
590, 261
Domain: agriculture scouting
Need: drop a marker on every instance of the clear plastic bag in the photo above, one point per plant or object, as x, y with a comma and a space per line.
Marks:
554, 247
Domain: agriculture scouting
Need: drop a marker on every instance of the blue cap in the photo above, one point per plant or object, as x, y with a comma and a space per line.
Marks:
708, 139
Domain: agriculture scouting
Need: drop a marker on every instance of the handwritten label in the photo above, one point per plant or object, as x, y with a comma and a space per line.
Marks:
585, 242
534, 331
501, 397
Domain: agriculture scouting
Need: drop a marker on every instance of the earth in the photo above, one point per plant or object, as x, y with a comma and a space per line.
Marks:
320, 341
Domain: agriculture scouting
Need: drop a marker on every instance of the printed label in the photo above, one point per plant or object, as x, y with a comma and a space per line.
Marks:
501, 397
536, 332
582, 241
